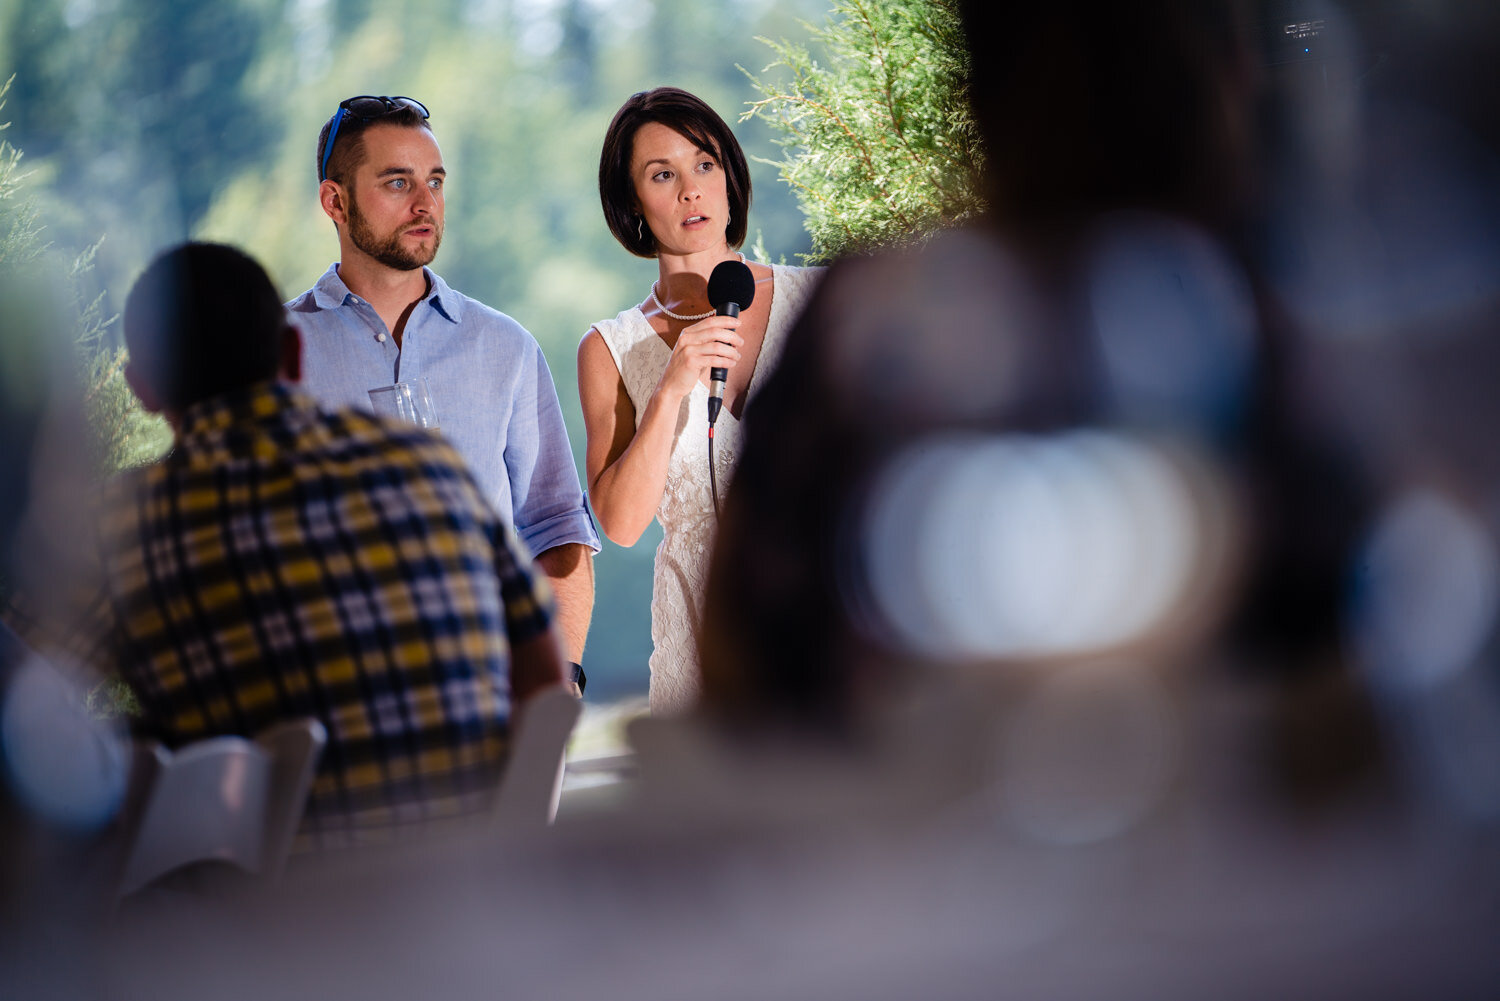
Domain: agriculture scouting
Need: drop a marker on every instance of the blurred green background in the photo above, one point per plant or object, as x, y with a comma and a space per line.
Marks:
146, 122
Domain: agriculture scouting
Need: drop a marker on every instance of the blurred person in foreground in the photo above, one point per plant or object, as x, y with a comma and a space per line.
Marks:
285, 561
1054, 449
380, 315
675, 187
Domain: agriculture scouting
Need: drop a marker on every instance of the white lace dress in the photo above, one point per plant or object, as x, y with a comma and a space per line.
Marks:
686, 513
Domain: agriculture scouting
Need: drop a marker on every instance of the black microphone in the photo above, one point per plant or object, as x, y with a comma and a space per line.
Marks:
731, 288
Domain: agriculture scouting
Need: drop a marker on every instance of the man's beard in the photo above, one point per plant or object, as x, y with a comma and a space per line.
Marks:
390, 251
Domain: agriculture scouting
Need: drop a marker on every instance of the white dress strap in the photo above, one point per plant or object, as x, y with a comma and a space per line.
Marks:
638, 352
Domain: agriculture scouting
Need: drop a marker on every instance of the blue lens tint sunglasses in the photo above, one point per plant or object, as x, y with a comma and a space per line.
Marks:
366, 108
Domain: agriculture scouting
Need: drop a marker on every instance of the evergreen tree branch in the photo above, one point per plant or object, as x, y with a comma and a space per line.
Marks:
880, 149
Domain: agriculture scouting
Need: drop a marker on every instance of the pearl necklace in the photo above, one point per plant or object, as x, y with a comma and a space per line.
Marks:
677, 316
688, 318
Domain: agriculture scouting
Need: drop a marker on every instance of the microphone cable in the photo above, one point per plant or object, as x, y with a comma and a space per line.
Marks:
713, 479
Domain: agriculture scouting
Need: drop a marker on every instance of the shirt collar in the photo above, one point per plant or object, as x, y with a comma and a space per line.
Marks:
331, 293
248, 404
446, 301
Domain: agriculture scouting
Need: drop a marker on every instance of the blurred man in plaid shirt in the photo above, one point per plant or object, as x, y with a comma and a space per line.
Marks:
283, 561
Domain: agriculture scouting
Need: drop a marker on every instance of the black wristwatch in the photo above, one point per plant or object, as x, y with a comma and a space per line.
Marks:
576, 675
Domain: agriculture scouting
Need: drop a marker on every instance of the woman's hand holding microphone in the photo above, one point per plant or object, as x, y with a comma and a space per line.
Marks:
709, 343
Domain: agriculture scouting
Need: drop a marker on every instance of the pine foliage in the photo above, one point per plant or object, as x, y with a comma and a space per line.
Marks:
879, 144
20, 233
121, 434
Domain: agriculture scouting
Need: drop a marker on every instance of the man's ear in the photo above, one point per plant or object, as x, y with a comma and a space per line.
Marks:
331, 196
291, 354
142, 389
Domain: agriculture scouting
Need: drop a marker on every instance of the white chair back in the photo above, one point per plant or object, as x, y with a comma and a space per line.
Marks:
225, 798
532, 782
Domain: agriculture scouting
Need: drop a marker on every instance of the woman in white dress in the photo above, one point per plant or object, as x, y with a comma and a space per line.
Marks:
675, 187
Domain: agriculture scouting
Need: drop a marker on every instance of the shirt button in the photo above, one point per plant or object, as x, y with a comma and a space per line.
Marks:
380, 338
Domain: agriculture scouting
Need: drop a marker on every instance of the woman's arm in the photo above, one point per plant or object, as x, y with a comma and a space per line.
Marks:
627, 465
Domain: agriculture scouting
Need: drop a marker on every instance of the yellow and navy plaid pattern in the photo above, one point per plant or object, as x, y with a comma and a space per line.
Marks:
284, 562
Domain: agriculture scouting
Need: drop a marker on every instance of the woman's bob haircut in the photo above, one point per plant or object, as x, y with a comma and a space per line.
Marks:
695, 121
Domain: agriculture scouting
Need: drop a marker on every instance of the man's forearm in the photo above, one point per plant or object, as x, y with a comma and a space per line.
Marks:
570, 571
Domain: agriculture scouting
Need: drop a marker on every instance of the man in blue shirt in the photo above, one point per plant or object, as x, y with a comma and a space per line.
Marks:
381, 316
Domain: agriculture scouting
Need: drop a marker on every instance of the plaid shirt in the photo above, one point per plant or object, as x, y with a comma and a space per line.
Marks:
283, 562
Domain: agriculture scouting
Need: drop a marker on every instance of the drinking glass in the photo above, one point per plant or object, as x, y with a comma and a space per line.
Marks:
407, 401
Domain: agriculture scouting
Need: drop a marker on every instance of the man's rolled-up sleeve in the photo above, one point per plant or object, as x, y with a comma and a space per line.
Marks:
546, 497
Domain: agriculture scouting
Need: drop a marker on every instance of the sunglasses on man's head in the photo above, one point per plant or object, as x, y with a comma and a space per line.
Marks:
366, 108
